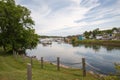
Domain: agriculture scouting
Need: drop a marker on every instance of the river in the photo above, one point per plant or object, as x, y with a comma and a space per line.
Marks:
98, 58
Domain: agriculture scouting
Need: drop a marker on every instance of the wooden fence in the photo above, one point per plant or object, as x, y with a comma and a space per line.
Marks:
29, 66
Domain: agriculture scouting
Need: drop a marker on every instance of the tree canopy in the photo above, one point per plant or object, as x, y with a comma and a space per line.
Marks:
16, 26
96, 32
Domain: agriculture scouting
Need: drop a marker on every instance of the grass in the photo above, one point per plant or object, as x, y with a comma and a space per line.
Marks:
12, 68
115, 43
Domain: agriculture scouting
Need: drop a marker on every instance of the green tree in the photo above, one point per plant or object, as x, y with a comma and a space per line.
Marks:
86, 34
114, 29
95, 32
16, 26
29, 39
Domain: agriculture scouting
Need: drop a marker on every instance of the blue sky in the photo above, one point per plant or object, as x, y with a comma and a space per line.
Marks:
70, 17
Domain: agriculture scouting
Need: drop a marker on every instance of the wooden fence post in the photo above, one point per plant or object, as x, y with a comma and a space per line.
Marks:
29, 72
42, 62
83, 67
58, 63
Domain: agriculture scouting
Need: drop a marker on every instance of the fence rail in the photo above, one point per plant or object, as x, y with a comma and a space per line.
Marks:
58, 63
71, 63
96, 69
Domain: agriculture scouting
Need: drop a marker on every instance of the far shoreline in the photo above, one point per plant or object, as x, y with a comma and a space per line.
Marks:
113, 43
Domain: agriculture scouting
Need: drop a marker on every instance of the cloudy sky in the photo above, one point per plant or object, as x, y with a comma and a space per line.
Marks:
68, 17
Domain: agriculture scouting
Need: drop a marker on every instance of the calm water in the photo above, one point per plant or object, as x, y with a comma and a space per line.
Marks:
98, 58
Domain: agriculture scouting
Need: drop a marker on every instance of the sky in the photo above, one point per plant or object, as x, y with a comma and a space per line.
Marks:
71, 17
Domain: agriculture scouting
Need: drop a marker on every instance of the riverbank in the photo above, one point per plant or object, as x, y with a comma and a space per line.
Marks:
114, 43
14, 68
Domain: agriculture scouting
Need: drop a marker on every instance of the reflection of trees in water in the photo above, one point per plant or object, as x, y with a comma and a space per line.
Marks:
110, 48
75, 45
97, 47
88, 46
94, 47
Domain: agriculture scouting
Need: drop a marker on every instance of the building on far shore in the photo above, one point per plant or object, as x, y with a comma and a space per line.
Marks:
81, 37
99, 37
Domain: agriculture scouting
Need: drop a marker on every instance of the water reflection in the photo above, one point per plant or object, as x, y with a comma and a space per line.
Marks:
100, 57
97, 47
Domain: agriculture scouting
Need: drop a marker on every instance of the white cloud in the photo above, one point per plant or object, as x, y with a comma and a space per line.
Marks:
47, 19
63, 18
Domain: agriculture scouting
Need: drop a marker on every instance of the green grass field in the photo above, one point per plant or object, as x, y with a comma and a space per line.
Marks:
12, 68
114, 43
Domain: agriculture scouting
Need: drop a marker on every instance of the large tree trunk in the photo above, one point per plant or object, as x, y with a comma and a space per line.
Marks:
3, 45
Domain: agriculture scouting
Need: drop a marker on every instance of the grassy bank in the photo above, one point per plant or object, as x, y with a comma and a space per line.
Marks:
115, 43
12, 68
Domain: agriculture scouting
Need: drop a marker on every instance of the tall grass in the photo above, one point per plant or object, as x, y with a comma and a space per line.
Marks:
100, 42
12, 68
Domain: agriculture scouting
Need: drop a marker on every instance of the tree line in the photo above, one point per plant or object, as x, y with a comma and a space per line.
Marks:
16, 27
96, 32
45, 36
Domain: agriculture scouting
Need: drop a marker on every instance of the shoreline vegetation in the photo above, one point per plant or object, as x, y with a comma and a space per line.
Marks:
114, 43
15, 67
